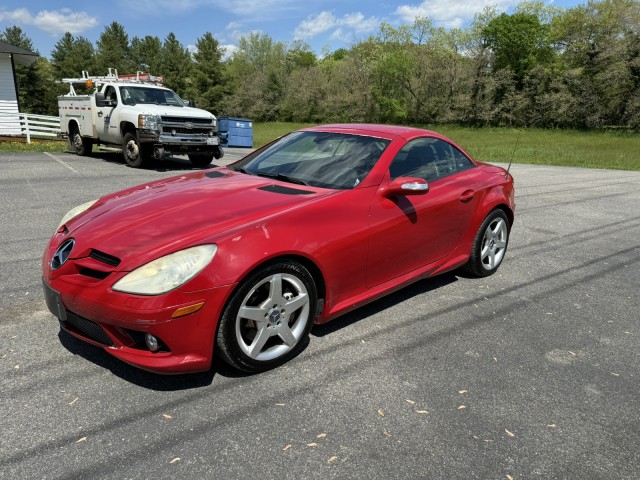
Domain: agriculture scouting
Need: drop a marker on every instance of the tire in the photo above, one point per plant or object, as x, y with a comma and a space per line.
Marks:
82, 146
268, 319
218, 153
489, 245
201, 160
135, 155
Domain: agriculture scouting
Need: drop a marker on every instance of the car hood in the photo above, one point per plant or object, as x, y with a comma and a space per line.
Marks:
145, 222
173, 111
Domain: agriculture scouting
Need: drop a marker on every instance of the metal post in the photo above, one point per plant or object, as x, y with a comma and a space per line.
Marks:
26, 123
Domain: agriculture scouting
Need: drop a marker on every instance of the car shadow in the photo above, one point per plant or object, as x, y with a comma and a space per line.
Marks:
377, 306
157, 382
136, 376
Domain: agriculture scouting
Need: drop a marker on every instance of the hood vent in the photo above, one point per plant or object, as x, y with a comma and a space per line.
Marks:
285, 190
104, 258
215, 174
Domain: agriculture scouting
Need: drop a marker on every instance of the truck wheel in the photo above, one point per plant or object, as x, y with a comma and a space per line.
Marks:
82, 146
201, 160
218, 153
134, 154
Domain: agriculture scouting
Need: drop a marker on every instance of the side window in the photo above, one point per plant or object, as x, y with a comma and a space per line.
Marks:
428, 158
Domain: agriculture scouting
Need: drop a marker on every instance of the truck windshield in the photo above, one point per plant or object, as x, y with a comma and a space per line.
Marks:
158, 96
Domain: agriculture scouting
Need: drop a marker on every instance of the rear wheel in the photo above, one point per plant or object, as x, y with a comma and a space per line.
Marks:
268, 318
489, 245
201, 160
134, 153
82, 146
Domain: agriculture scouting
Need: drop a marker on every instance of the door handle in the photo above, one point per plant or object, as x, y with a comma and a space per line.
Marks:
467, 196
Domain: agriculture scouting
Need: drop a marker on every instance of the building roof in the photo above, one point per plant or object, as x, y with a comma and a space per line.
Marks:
22, 56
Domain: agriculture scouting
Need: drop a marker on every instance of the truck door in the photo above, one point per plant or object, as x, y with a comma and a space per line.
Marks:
108, 132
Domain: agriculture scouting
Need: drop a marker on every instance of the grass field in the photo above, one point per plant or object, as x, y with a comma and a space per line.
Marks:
598, 149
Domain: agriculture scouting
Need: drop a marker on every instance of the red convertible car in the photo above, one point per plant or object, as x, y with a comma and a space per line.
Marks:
241, 261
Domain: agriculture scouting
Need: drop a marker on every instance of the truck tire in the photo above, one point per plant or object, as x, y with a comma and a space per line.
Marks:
218, 153
201, 160
135, 155
77, 143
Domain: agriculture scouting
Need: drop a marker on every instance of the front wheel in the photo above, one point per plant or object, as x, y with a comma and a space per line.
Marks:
201, 160
489, 245
268, 318
134, 153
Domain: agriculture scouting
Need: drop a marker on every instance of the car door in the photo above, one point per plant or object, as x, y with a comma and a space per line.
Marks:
412, 231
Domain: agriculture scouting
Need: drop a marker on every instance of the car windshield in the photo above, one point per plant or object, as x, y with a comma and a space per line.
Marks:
158, 96
319, 159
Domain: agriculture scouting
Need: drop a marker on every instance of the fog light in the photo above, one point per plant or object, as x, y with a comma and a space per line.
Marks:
173, 132
151, 341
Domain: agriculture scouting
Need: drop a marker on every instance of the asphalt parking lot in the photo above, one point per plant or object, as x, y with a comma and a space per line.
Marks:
531, 373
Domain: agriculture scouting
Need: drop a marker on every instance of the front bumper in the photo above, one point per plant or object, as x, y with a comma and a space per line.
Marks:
117, 322
180, 143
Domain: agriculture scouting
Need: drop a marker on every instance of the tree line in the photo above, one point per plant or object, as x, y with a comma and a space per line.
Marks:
540, 66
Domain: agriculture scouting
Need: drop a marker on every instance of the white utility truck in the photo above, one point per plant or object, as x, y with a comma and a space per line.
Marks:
139, 115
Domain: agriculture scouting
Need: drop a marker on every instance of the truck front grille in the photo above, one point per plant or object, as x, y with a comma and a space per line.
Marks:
186, 131
183, 120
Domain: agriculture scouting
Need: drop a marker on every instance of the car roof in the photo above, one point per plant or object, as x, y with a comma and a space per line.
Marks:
375, 130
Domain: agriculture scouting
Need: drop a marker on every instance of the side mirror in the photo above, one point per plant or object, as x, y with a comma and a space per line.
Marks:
102, 102
190, 103
407, 186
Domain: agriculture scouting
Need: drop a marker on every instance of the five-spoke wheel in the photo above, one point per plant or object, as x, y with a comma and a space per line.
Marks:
489, 245
268, 317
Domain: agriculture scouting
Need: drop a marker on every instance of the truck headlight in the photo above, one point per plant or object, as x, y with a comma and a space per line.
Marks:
75, 211
148, 122
166, 273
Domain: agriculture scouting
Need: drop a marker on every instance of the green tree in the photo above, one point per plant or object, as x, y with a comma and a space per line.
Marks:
146, 54
113, 50
208, 73
71, 55
519, 42
176, 64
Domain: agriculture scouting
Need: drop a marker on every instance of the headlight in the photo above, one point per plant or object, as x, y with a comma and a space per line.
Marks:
74, 212
166, 273
148, 122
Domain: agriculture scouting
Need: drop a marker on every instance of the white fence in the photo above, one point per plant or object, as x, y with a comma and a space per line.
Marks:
26, 124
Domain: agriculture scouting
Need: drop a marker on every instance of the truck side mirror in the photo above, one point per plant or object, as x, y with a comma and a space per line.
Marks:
190, 103
100, 100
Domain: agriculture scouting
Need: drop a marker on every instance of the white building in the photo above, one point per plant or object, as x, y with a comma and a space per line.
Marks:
9, 105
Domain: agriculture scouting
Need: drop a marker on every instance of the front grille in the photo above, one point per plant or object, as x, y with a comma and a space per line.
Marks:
183, 120
186, 131
87, 328
92, 273
105, 258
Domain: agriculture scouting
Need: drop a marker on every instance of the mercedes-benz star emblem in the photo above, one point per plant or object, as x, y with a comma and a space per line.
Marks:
62, 254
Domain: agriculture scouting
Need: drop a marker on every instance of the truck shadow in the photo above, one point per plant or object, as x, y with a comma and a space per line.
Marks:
168, 164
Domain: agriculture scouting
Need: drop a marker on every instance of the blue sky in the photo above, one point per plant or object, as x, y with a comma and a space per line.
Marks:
322, 24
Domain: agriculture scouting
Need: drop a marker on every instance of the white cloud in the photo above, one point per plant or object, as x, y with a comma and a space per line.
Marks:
325, 21
240, 8
229, 50
447, 13
315, 25
55, 22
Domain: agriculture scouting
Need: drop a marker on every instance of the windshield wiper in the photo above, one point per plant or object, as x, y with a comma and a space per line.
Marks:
283, 177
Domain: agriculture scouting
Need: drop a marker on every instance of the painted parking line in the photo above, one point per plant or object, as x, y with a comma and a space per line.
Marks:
61, 162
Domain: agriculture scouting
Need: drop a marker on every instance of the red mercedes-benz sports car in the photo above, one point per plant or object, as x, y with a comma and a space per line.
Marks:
241, 261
